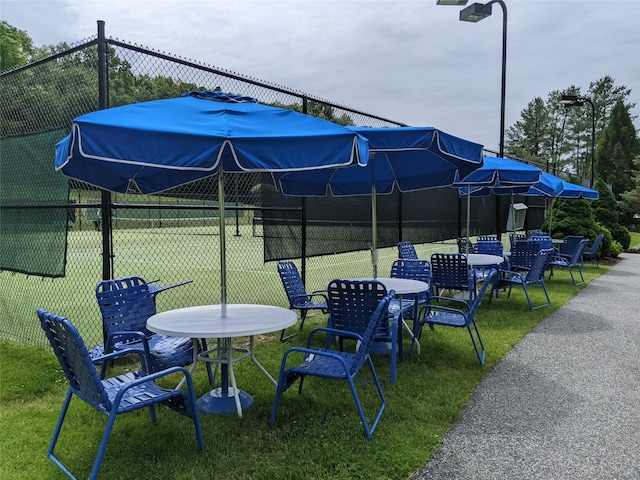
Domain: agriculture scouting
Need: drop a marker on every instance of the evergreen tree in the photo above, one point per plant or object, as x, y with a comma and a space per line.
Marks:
616, 150
572, 217
605, 211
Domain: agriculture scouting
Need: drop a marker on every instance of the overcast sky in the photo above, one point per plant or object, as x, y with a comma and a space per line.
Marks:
409, 61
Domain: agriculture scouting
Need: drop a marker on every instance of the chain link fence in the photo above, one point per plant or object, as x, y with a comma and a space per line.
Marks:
57, 244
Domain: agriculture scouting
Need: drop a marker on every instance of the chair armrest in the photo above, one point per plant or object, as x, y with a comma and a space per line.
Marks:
332, 331
439, 308
125, 336
152, 377
106, 357
315, 352
449, 299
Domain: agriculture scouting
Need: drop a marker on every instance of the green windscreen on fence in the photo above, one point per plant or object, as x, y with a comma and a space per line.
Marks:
33, 239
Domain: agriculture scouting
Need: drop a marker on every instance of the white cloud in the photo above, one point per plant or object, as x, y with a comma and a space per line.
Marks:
410, 61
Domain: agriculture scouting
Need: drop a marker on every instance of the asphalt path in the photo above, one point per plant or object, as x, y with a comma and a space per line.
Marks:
565, 402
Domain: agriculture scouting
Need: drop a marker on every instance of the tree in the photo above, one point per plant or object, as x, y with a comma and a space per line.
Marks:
630, 200
606, 213
616, 150
16, 47
572, 217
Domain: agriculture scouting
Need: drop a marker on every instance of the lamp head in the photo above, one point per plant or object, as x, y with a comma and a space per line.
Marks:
459, 3
571, 101
475, 12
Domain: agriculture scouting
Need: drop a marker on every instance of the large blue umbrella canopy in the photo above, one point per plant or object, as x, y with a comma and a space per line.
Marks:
410, 158
150, 147
153, 146
500, 176
571, 190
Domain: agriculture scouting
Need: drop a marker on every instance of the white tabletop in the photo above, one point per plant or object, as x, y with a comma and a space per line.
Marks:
205, 321
483, 259
401, 286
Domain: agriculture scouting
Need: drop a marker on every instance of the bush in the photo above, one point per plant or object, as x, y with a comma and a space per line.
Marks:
616, 249
621, 235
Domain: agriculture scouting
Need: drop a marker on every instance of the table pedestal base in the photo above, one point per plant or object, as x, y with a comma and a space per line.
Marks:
216, 401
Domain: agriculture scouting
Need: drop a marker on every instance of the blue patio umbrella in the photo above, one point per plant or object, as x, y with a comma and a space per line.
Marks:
409, 158
500, 176
548, 186
150, 147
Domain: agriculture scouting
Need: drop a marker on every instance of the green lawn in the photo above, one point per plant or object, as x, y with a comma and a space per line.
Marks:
317, 435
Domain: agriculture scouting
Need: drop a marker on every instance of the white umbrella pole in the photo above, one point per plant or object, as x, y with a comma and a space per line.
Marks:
468, 217
223, 253
374, 231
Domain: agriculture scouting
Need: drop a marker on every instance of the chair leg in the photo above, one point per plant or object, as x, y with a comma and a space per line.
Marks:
368, 430
479, 353
103, 443
56, 434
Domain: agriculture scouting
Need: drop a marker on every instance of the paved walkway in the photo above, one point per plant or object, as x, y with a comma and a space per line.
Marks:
565, 402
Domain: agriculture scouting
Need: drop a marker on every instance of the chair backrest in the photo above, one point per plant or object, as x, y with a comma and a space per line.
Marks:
419, 269
464, 245
487, 238
378, 317
545, 241
351, 304
490, 247
450, 270
570, 244
125, 304
523, 253
577, 253
514, 237
74, 359
291, 280
539, 265
407, 251
594, 246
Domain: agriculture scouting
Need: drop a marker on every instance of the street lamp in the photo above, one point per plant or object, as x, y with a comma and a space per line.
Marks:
474, 13
570, 101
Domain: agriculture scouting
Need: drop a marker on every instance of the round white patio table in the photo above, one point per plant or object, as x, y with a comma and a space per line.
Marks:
483, 259
206, 321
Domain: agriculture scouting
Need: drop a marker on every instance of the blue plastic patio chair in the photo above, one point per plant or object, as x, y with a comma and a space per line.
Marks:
528, 278
420, 270
111, 396
406, 250
462, 317
570, 262
335, 365
351, 303
591, 252
450, 271
569, 245
297, 294
465, 245
126, 304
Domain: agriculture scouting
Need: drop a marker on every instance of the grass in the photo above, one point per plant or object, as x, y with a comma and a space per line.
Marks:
317, 434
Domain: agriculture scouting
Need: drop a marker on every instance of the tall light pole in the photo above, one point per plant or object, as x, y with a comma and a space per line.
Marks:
474, 13
575, 101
